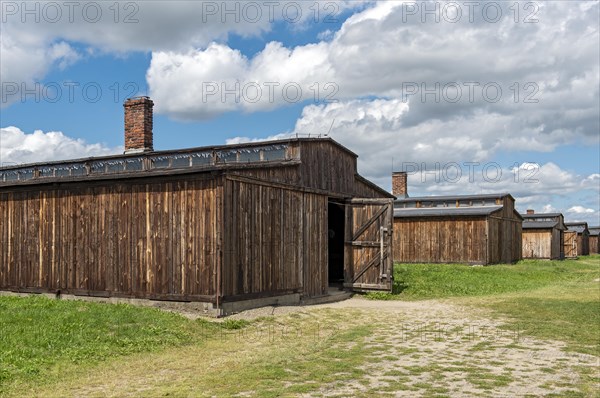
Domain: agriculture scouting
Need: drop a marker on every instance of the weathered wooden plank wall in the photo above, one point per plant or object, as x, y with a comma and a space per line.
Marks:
275, 241
327, 167
315, 243
583, 244
146, 239
505, 235
440, 240
504, 240
537, 243
593, 239
542, 243
483, 239
558, 243
324, 166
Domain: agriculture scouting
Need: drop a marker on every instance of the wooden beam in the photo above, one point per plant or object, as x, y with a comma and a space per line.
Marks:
369, 223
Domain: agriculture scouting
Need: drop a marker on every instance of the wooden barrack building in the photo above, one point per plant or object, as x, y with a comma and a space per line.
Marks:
594, 244
232, 226
543, 235
471, 229
581, 237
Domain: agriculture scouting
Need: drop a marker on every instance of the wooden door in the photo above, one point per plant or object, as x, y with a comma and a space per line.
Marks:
368, 245
570, 244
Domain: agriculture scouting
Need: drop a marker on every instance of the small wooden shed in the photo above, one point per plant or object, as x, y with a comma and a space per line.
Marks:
543, 235
594, 244
234, 226
582, 237
472, 229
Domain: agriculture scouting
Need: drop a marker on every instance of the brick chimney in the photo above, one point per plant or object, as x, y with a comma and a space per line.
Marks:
399, 187
138, 125
530, 211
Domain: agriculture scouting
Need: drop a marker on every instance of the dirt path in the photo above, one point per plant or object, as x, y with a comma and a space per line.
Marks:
424, 348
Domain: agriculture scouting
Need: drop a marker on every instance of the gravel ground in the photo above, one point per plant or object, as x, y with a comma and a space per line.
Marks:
436, 347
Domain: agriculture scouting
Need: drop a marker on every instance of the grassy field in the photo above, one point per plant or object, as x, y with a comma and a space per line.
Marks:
41, 336
91, 349
430, 281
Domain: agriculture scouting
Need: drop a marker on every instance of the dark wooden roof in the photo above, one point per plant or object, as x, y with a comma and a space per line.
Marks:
541, 215
543, 221
445, 198
539, 224
445, 211
451, 205
579, 227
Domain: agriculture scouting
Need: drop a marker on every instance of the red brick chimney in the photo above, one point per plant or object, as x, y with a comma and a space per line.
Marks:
399, 187
530, 211
138, 125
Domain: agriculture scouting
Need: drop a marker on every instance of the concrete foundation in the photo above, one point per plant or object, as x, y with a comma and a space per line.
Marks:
200, 308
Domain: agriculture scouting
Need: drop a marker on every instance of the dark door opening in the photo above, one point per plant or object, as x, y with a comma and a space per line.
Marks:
336, 229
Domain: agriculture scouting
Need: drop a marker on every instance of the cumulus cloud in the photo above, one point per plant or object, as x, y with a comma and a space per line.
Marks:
542, 187
582, 214
24, 63
35, 35
17, 146
538, 79
161, 25
437, 152
204, 83
580, 210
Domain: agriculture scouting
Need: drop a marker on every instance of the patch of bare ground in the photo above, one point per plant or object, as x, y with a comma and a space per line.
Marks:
436, 348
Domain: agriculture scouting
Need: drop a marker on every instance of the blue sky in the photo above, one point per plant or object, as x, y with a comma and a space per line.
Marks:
367, 56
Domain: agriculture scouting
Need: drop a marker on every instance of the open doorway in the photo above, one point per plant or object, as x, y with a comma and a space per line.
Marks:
336, 228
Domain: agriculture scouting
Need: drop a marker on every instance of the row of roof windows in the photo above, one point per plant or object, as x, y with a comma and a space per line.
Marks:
145, 163
454, 203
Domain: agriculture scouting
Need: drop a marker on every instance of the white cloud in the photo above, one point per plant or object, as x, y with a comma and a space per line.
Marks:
580, 210
580, 213
380, 52
218, 79
35, 35
376, 130
162, 25
592, 181
24, 63
18, 147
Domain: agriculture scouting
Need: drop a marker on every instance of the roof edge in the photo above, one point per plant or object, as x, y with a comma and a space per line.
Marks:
182, 150
373, 185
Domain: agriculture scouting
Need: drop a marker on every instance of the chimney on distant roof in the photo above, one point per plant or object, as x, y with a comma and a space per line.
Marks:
138, 125
399, 186
530, 211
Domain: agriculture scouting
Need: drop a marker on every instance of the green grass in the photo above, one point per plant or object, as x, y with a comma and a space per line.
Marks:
568, 311
271, 357
47, 342
37, 334
430, 281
